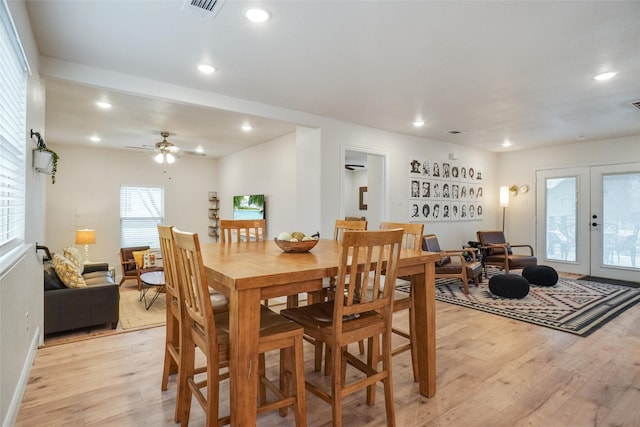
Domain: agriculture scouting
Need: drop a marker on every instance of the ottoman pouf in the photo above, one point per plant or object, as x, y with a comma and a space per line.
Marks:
509, 286
542, 275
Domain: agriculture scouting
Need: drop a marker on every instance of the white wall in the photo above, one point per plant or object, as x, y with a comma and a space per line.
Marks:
400, 149
21, 286
520, 168
87, 194
270, 169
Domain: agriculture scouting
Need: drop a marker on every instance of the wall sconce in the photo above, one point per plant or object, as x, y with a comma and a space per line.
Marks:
515, 189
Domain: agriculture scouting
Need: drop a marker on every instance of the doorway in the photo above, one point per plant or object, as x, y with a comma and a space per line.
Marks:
589, 220
363, 185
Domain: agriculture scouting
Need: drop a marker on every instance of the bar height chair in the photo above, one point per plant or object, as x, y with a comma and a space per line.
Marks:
353, 316
209, 331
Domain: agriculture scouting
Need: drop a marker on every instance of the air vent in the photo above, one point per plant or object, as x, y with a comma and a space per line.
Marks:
204, 8
635, 104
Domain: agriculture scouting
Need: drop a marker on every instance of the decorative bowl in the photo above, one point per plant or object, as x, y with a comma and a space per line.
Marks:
304, 246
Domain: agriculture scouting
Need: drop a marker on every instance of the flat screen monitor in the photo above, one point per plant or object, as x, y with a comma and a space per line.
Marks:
249, 207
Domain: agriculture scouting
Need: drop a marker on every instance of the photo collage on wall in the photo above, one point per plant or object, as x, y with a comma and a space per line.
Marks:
444, 191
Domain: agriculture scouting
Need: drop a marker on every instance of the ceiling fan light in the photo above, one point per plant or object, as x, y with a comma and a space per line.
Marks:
170, 158
159, 158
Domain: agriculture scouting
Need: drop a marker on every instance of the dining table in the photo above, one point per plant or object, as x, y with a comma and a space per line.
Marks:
249, 272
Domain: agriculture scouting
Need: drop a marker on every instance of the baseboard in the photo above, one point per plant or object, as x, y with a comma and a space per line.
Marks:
21, 386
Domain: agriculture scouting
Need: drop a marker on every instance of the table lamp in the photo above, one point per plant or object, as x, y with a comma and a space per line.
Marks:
85, 237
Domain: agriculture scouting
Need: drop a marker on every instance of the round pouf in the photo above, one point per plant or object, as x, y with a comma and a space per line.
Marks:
542, 275
509, 286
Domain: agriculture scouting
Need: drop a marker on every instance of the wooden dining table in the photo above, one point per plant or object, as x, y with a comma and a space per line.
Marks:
249, 272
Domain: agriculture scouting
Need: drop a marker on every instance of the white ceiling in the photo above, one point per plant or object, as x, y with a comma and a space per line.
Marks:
517, 70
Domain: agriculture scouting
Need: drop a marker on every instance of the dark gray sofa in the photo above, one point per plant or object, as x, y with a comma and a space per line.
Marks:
72, 308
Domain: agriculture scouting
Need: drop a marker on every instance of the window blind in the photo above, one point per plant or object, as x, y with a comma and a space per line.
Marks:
13, 101
141, 210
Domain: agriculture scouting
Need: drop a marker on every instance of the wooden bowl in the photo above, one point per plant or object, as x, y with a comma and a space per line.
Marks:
304, 246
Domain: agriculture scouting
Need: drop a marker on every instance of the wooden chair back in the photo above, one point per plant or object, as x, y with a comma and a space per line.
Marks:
379, 252
242, 230
343, 225
192, 283
168, 261
412, 238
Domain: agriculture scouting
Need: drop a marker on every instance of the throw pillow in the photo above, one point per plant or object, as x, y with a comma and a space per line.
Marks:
138, 256
73, 255
149, 260
67, 272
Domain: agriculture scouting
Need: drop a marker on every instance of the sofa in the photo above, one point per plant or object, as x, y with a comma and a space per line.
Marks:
67, 308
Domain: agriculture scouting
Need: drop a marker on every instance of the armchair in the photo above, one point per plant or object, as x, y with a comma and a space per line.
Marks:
498, 252
130, 268
454, 263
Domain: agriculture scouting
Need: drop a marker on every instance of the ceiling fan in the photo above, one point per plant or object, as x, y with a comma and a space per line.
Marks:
167, 151
352, 166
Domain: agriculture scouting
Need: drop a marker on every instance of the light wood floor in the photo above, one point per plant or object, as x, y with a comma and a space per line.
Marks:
492, 371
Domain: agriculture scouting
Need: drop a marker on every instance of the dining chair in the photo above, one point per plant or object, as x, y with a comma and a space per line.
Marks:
498, 252
209, 331
219, 303
328, 289
459, 264
242, 230
412, 240
356, 316
246, 231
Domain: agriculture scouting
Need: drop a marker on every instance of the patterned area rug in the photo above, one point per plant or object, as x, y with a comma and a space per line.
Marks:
575, 306
132, 311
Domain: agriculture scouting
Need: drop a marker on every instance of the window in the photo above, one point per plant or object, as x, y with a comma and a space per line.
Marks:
141, 210
13, 96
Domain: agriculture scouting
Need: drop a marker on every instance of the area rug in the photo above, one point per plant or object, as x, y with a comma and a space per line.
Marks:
133, 314
575, 306
610, 281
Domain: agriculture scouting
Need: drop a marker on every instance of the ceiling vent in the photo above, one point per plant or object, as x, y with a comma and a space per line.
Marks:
204, 8
635, 104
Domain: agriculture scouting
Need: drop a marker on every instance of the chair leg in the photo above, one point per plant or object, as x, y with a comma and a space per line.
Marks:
336, 386
388, 380
298, 381
414, 339
373, 358
187, 364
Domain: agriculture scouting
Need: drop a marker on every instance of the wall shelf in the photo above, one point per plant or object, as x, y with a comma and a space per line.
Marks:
213, 229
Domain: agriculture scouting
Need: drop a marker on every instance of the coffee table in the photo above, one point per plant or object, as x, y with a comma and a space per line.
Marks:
152, 279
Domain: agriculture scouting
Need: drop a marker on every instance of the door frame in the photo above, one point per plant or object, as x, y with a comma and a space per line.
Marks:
382, 208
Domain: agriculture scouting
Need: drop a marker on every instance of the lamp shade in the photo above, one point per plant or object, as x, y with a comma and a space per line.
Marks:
85, 237
504, 197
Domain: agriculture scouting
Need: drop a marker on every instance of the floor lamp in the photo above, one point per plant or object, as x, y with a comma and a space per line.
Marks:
504, 202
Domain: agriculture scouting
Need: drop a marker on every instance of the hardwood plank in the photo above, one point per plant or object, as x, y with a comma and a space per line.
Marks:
490, 371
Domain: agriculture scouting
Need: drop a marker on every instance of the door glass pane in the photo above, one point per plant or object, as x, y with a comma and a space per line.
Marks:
621, 220
561, 219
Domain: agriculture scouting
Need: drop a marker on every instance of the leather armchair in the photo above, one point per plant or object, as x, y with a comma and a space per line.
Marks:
130, 269
461, 264
498, 252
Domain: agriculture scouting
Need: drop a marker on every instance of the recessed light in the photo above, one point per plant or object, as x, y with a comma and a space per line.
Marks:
199, 149
257, 15
206, 68
104, 105
95, 138
418, 123
246, 128
605, 76
506, 143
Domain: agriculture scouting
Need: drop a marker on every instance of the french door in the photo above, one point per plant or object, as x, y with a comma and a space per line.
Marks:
589, 220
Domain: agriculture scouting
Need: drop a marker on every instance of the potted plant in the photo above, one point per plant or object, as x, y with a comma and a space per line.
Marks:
45, 160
